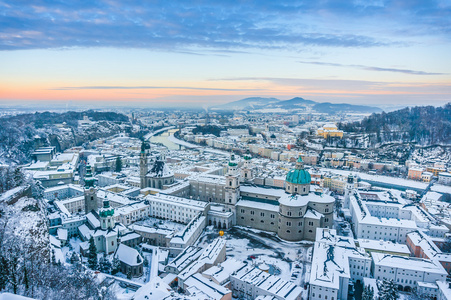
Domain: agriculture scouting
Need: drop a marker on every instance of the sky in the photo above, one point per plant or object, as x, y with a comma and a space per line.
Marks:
203, 53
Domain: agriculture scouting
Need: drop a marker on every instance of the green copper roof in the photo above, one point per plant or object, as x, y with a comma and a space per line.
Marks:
298, 176
232, 162
105, 212
299, 159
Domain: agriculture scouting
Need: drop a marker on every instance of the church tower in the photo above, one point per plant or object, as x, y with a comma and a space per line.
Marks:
349, 187
232, 188
246, 171
90, 192
143, 166
106, 214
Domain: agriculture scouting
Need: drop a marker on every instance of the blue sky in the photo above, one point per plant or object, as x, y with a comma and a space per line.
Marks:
203, 52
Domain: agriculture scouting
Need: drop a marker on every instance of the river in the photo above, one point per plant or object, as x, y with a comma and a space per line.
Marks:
162, 138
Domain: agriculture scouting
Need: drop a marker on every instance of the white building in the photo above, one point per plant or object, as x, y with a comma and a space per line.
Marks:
336, 262
406, 271
250, 282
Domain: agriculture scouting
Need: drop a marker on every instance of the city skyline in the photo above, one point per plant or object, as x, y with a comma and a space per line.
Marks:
203, 54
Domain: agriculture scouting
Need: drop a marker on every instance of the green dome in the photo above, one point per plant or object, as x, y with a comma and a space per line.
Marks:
298, 176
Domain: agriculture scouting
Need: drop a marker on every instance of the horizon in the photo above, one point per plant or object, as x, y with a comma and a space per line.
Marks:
204, 54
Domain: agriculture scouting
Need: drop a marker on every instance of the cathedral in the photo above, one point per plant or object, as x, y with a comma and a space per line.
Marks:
159, 176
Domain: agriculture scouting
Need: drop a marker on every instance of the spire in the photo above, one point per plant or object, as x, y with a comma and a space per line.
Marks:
299, 163
89, 179
232, 162
106, 202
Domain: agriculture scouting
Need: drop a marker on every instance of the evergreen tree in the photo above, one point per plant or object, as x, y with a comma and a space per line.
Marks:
368, 293
116, 266
92, 255
118, 164
104, 265
388, 290
74, 258
25, 279
3, 272
18, 177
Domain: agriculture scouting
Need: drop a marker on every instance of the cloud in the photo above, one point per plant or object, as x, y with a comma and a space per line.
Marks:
181, 25
369, 68
146, 88
325, 86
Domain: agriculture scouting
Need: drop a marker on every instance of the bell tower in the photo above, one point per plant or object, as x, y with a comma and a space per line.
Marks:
232, 188
106, 214
246, 171
90, 191
143, 169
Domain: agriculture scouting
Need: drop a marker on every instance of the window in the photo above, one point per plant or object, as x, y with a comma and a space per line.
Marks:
242, 211
272, 216
310, 223
288, 223
289, 213
252, 212
262, 214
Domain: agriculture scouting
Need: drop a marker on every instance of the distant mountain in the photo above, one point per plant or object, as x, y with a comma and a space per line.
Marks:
343, 107
297, 103
247, 103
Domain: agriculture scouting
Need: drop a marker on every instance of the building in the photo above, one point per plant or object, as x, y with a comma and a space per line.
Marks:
330, 130
336, 262
406, 271
249, 282
415, 173
159, 176
130, 260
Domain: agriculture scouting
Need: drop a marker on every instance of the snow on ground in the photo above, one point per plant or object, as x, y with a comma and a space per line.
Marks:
159, 223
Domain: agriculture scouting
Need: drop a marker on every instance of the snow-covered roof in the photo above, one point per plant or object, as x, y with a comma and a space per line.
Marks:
187, 256
259, 205
410, 263
303, 200
155, 289
271, 284
128, 255
213, 290
385, 246
221, 272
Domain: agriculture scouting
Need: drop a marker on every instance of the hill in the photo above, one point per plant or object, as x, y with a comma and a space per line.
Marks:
21, 134
424, 125
297, 103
